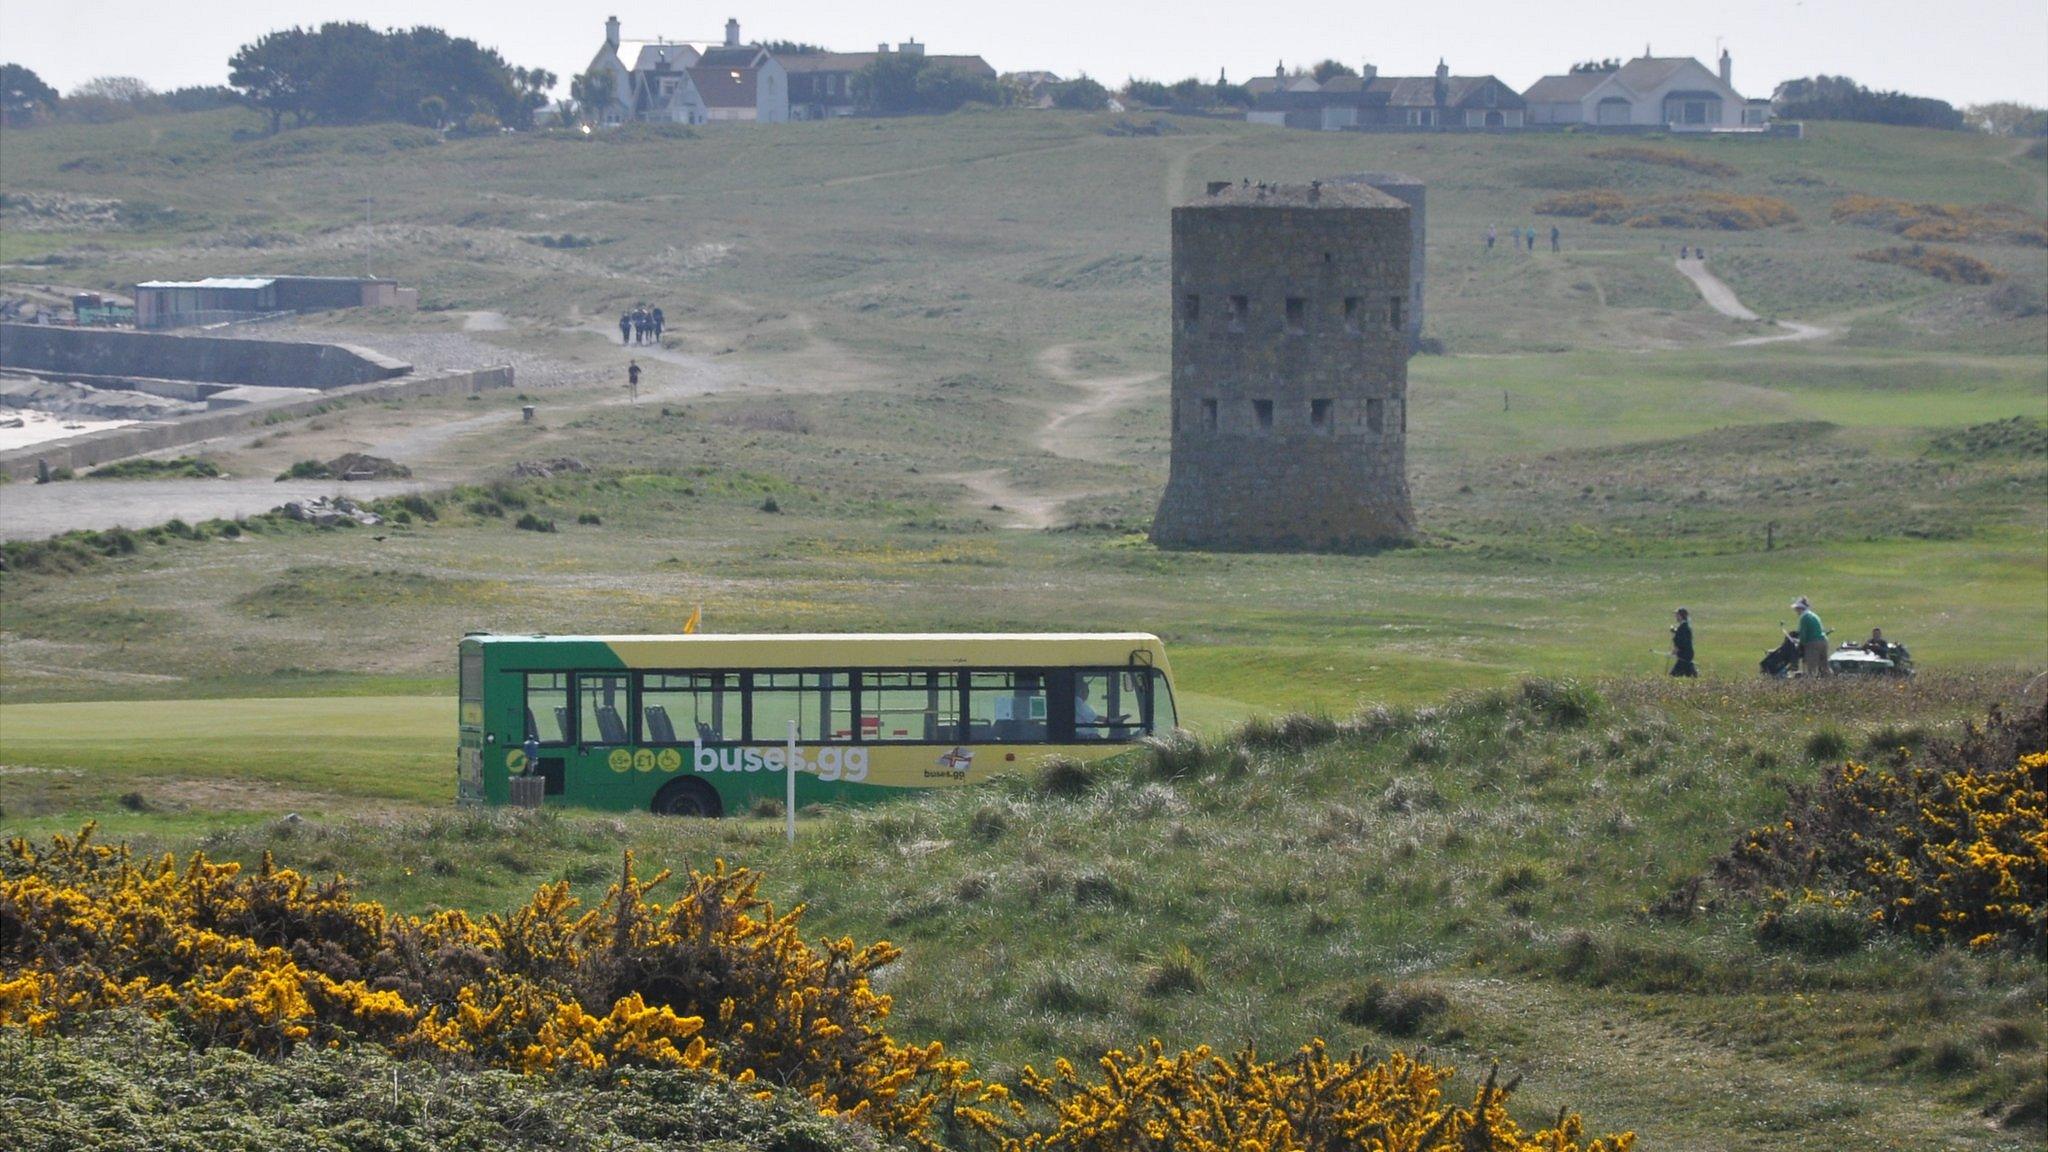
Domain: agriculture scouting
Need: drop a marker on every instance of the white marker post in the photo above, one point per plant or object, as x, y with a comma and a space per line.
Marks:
789, 799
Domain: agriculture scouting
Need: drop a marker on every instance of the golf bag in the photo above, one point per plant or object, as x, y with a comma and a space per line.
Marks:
1781, 661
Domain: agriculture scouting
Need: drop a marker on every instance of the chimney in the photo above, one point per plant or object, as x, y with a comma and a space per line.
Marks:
1443, 70
882, 49
1369, 73
911, 47
732, 33
1727, 69
611, 33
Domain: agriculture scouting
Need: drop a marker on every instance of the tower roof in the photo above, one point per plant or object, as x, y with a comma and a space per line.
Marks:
1320, 194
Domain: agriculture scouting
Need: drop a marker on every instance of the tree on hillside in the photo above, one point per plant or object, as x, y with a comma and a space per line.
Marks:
794, 48
1191, 95
1329, 70
1593, 67
896, 84
2009, 118
275, 75
943, 88
1840, 98
126, 89
1080, 94
588, 96
353, 74
23, 94
1146, 93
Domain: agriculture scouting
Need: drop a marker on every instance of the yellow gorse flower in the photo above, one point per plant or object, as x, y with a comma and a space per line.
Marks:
717, 981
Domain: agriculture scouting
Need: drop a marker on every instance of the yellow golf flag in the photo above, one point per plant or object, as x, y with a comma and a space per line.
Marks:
696, 618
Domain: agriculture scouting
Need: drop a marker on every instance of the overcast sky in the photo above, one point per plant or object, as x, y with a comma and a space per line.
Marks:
1964, 51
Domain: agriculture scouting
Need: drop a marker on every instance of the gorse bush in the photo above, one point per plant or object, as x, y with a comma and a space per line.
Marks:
1943, 223
715, 984
270, 961
1945, 264
1198, 1101
1951, 844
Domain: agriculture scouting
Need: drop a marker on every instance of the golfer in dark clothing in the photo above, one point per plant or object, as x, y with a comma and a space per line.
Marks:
633, 380
1681, 645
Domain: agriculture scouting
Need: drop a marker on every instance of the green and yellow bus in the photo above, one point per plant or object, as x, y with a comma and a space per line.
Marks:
700, 725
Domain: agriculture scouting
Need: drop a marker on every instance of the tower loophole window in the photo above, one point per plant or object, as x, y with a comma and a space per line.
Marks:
1240, 308
1351, 304
1208, 415
1394, 313
1375, 416
1297, 315
1262, 413
1190, 309
1319, 415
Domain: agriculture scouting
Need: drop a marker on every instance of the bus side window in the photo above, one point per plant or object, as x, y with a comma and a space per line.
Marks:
685, 707
547, 707
601, 709
820, 702
918, 707
1006, 708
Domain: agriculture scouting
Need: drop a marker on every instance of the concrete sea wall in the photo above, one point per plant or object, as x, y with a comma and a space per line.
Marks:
119, 443
90, 352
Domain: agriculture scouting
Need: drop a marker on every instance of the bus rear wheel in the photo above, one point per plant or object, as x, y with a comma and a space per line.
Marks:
687, 798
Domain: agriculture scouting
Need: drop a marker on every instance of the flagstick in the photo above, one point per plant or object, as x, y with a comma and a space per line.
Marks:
789, 801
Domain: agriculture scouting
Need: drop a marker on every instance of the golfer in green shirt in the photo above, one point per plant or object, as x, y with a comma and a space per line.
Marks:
1813, 639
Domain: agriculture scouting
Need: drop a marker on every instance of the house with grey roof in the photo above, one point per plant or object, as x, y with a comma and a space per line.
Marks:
1369, 102
1675, 93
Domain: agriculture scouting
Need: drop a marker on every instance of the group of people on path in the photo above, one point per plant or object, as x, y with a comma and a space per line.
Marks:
1520, 237
641, 326
1809, 633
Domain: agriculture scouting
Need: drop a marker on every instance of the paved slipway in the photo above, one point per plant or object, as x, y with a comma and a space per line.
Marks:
1721, 298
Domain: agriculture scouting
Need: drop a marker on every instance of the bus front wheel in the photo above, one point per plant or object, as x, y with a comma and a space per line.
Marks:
687, 798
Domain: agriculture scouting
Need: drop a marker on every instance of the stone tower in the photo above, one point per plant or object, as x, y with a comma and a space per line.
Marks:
1290, 370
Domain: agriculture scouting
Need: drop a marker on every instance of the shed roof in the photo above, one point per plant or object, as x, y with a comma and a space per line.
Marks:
247, 283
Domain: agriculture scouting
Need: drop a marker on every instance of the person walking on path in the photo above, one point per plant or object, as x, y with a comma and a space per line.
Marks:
1681, 645
1491, 236
659, 321
633, 381
1812, 637
625, 327
1554, 234
1530, 236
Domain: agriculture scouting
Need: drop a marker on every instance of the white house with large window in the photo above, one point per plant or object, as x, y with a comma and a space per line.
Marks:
1674, 92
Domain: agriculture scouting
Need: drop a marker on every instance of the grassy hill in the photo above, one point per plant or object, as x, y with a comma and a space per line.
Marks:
936, 349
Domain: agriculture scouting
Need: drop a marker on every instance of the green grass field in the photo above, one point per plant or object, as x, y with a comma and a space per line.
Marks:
896, 314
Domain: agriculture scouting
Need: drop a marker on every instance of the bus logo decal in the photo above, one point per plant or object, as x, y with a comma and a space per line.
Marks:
620, 760
830, 764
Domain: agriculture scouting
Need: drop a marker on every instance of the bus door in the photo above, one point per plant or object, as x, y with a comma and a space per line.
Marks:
603, 740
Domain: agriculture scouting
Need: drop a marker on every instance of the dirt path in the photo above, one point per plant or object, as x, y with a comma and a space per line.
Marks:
1177, 173
1065, 434
1722, 299
2017, 158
